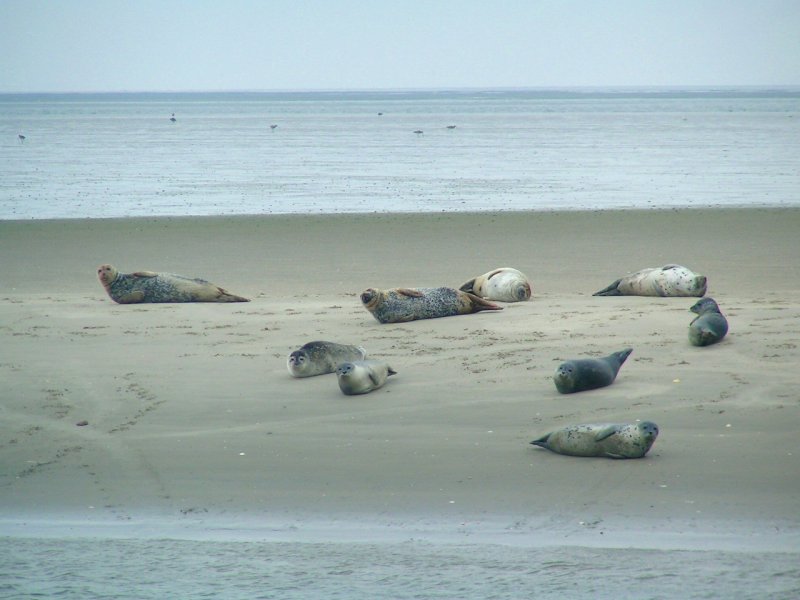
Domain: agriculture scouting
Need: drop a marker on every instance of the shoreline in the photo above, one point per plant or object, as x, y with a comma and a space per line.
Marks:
194, 419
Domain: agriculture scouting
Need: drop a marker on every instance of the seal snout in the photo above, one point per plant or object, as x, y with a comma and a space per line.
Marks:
367, 296
344, 369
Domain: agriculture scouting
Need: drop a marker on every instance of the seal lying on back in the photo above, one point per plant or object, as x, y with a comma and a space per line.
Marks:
362, 376
710, 326
318, 358
612, 440
589, 373
146, 286
504, 285
399, 305
668, 281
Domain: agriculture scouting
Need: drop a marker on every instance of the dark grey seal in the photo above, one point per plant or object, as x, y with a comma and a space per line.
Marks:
318, 358
710, 326
589, 373
611, 440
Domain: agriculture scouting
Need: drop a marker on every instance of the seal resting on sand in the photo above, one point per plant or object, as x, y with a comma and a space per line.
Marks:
589, 373
318, 358
362, 376
666, 281
400, 305
710, 326
612, 440
146, 286
504, 285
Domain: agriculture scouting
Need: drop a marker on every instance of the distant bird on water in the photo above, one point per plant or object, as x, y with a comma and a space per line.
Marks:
451, 126
21, 138
419, 132
380, 114
273, 127
172, 118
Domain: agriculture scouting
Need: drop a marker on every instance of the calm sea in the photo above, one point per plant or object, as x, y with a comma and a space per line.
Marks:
116, 155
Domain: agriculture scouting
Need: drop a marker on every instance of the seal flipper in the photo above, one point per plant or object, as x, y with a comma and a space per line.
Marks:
604, 433
610, 290
469, 286
410, 293
144, 274
623, 355
391, 372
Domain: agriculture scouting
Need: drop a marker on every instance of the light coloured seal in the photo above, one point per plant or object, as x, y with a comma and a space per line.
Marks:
362, 376
400, 305
666, 281
318, 358
146, 286
583, 374
503, 285
611, 440
710, 326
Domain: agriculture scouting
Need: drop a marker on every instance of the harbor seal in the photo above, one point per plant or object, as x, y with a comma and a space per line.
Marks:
318, 358
710, 326
362, 376
146, 286
400, 305
611, 440
504, 285
589, 373
667, 281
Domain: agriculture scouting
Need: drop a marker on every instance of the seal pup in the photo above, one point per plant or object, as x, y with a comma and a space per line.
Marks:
504, 285
612, 440
400, 305
666, 281
710, 326
589, 373
147, 286
362, 376
318, 358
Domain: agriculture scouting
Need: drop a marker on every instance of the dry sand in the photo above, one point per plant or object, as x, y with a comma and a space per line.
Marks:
192, 414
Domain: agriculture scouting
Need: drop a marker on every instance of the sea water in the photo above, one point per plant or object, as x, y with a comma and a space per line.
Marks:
118, 155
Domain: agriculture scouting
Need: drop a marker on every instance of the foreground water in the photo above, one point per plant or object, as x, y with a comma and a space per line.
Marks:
117, 155
89, 569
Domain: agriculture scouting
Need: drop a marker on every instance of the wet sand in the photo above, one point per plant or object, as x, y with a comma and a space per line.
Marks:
194, 419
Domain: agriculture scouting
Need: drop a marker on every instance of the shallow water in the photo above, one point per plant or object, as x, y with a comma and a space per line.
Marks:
120, 155
164, 568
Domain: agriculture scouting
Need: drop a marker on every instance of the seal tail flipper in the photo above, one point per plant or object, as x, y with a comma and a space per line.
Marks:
363, 352
226, 296
610, 290
469, 286
542, 441
479, 304
391, 372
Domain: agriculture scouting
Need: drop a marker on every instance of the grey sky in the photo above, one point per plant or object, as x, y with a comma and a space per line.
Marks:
162, 45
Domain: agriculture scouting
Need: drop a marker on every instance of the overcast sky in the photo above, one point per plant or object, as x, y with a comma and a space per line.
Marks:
170, 45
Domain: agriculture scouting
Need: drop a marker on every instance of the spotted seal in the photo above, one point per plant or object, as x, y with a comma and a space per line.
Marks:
362, 376
146, 286
666, 281
611, 440
318, 358
504, 285
710, 326
589, 373
400, 305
